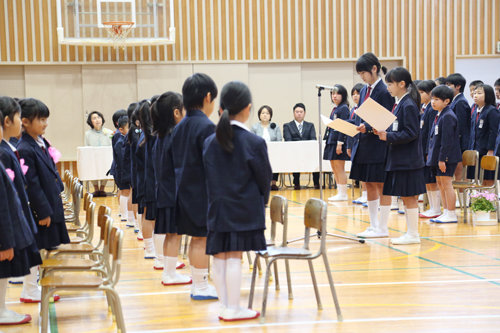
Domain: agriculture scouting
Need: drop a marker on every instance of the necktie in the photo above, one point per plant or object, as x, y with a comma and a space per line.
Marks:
477, 116
498, 106
333, 111
300, 129
368, 93
353, 112
423, 109
17, 155
393, 108
473, 108
44, 150
435, 120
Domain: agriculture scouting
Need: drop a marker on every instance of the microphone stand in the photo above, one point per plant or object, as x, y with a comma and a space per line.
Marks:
319, 233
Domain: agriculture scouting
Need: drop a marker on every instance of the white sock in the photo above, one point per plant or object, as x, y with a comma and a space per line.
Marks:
365, 194
451, 214
139, 221
219, 279
233, 283
434, 200
3, 294
373, 212
123, 206
342, 189
131, 217
200, 278
394, 201
169, 266
158, 244
412, 221
30, 284
384, 219
149, 244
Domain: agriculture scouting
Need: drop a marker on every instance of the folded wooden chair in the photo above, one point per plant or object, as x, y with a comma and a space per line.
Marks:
470, 158
73, 215
80, 229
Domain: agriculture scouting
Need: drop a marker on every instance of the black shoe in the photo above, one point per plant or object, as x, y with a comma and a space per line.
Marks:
274, 188
296, 187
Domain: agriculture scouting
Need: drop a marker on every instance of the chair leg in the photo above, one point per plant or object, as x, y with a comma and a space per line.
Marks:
464, 205
184, 256
120, 322
270, 273
250, 265
288, 279
332, 288
252, 285
259, 266
45, 309
315, 285
277, 283
264, 296
111, 308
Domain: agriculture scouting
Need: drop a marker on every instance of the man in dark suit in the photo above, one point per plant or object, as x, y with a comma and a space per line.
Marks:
297, 130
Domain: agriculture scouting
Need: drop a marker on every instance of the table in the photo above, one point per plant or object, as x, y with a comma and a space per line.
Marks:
94, 162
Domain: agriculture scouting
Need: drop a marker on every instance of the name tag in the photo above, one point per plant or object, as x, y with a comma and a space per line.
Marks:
334, 116
436, 130
481, 123
395, 126
421, 124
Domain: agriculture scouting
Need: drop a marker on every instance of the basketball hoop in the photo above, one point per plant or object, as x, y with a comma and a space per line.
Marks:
118, 30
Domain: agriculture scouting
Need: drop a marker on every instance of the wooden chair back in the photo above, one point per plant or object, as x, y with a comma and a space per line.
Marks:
279, 214
89, 217
470, 158
315, 218
115, 251
489, 163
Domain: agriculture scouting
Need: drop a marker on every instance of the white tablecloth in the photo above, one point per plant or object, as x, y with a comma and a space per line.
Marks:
94, 162
297, 156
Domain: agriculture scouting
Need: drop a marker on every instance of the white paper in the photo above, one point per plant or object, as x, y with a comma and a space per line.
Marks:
375, 115
340, 125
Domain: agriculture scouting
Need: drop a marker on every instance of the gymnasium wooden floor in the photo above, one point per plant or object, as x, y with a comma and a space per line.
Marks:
449, 283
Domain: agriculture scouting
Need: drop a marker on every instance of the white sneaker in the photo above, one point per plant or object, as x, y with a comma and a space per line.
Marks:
239, 314
140, 236
373, 233
209, 293
158, 264
149, 255
16, 280
366, 232
338, 197
457, 203
446, 219
362, 200
429, 214
221, 311
180, 265
35, 297
395, 206
421, 198
8, 317
405, 240
130, 224
175, 280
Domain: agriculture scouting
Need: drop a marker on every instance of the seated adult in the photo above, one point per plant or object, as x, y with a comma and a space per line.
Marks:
297, 130
97, 136
268, 131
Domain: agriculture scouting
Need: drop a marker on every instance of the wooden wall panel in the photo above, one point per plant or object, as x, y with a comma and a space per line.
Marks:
429, 34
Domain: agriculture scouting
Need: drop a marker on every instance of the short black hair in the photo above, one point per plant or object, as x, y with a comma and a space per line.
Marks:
476, 83
340, 89
89, 118
268, 109
162, 113
32, 108
489, 94
122, 122
443, 93
416, 82
195, 89
117, 115
441, 80
9, 108
497, 83
457, 79
426, 86
299, 105
357, 88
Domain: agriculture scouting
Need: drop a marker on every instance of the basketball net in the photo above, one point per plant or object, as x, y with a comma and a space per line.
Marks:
118, 31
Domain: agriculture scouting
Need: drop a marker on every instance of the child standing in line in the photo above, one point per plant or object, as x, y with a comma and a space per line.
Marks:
238, 174
112, 171
444, 150
123, 185
355, 91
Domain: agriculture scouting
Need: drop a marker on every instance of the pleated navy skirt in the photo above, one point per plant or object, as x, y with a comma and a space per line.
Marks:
135, 201
165, 221
21, 263
429, 177
330, 153
370, 173
51, 237
141, 203
219, 242
404, 183
150, 210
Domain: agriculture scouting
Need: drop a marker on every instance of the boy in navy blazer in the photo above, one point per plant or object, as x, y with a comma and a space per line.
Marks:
444, 150
199, 92
298, 130
118, 158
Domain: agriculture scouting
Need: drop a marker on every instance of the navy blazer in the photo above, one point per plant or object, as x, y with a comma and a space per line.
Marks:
426, 126
367, 148
291, 131
164, 172
10, 161
118, 159
13, 141
238, 184
126, 161
483, 129
405, 146
187, 151
114, 139
461, 108
14, 229
332, 136
445, 146
133, 160
140, 160
44, 183
149, 171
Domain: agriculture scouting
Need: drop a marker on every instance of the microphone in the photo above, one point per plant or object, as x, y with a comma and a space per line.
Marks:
320, 86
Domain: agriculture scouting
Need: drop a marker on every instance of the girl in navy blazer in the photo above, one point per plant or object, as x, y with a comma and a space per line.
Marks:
355, 91
444, 150
484, 128
198, 93
238, 174
166, 113
336, 142
123, 186
367, 151
404, 174
427, 117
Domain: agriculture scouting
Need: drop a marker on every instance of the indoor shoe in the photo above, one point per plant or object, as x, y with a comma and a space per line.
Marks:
139, 236
208, 293
175, 280
149, 255
373, 233
35, 298
366, 232
239, 314
136, 231
338, 197
274, 188
130, 224
16, 280
401, 212
361, 200
180, 265
221, 311
405, 240
446, 219
356, 202
365, 204
429, 214
395, 206
12, 318
158, 264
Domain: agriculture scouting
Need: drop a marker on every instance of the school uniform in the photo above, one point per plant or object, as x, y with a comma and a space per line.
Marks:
114, 139
126, 162
187, 152
291, 132
118, 159
483, 132
352, 112
44, 187
140, 175
333, 137
462, 110
426, 126
404, 175
368, 151
444, 143
238, 187
133, 165
15, 233
149, 180
164, 186
14, 141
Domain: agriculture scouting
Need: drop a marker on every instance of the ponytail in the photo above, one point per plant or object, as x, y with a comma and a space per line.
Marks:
224, 132
384, 69
415, 94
